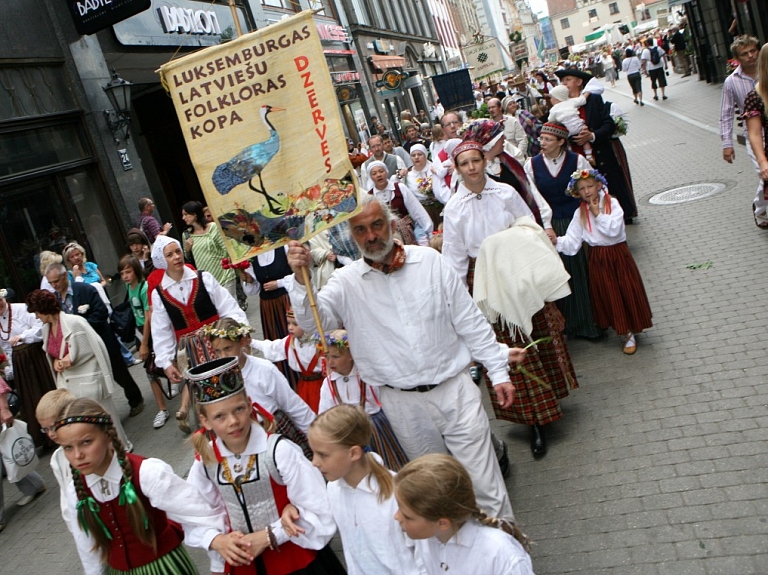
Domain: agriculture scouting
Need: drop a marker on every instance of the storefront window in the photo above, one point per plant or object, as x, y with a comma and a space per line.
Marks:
41, 147
292, 5
323, 7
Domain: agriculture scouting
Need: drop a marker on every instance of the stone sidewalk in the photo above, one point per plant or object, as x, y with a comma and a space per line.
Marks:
658, 466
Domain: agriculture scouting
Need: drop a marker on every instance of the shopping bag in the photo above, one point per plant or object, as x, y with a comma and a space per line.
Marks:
18, 451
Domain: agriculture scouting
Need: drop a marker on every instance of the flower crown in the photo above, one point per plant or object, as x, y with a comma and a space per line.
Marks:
332, 341
232, 333
583, 175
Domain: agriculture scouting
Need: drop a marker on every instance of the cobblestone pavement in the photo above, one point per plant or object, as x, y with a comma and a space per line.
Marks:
659, 464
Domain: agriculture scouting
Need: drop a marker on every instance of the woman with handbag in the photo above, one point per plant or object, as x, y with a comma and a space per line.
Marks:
31, 485
76, 354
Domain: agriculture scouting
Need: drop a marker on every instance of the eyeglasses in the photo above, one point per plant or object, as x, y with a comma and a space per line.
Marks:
47, 430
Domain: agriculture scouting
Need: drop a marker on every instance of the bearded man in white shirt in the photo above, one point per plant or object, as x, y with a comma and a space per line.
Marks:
413, 331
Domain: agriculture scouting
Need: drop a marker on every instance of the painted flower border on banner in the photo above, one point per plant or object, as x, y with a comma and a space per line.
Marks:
264, 133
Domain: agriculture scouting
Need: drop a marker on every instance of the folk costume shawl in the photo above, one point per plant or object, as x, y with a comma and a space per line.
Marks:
517, 271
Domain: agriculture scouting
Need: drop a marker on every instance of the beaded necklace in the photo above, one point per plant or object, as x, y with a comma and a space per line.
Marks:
240, 479
5, 334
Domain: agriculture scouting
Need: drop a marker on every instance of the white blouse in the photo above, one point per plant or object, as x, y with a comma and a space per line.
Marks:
274, 350
373, 541
475, 548
469, 218
163, 334
23, 324
267, 386
165, 491
607, 229
348, 388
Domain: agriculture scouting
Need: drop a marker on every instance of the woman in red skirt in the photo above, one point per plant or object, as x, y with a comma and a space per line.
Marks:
615, 286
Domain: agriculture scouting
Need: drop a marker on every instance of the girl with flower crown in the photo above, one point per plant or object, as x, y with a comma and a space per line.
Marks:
252, 475
344, 386
299, 350
615, 286
127, 512
265, 384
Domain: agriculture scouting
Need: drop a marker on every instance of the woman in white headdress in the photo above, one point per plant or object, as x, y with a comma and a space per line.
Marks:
184, 301
425, 180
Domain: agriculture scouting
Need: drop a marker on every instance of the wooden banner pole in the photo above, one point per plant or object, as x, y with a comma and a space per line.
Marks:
313, 305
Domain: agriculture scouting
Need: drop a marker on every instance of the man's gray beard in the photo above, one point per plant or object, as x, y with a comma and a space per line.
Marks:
380, 256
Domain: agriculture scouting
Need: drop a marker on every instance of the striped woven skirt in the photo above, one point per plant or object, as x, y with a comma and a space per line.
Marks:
547, 372
177, 562
616, 289
275, 326
285, 426
385, 443
32, 379
576, 308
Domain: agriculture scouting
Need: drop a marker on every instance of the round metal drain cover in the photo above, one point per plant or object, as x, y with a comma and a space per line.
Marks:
686, 194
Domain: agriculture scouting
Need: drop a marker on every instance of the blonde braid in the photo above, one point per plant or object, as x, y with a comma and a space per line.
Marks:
509, 527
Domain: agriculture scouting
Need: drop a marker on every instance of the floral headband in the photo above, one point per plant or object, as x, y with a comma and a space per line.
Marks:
583, 175
232, 333
332, 341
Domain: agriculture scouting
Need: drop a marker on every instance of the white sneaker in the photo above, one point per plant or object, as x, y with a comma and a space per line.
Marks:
160, 419
28, 498
175, 389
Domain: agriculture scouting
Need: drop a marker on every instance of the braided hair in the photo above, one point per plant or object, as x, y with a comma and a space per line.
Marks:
90, 521
437, 486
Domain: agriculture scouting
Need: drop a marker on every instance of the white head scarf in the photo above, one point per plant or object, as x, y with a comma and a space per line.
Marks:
377, 164
158, 259
419, 148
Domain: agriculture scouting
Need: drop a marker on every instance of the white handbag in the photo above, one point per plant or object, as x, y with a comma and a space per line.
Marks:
18, 451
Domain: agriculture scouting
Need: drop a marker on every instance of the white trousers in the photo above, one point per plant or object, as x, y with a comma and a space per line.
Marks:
451, 419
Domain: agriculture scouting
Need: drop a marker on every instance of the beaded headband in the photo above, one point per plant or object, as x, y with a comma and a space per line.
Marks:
465, 146
559, 131
289, 313
583, 175
94, 419
232, 333
216, 380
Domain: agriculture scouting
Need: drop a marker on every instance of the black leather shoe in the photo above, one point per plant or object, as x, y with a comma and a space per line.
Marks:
538, 445
504, 463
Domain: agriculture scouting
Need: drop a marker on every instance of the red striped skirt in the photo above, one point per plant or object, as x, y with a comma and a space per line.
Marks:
549, 363
616, 290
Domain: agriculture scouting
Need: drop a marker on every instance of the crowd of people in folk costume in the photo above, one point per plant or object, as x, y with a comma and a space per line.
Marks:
373, 426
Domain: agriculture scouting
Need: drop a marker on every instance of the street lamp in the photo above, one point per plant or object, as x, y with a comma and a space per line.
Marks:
118, 118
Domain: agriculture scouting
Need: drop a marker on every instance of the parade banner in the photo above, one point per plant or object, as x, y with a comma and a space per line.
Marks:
484, 58
263, 129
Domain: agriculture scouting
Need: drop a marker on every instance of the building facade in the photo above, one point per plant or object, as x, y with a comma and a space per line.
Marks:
574, 20
399, 49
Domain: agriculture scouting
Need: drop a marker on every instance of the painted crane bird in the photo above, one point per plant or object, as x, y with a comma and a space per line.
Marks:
249, 164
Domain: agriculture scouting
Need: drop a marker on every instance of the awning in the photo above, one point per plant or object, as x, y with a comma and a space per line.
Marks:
594, 36
387, 62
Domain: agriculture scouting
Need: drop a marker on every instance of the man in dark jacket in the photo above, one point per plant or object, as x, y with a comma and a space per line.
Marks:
599, 131
82, 299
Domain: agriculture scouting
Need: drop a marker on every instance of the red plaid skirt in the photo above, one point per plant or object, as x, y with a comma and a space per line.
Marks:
550, 363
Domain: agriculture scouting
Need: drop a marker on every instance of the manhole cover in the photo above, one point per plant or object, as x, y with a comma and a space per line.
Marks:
686, 194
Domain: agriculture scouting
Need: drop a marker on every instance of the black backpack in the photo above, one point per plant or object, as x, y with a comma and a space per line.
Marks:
655, 55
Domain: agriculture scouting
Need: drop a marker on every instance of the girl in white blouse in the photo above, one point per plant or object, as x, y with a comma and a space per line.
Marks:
361, 494
343, 385
615, 287
127, 512
252, 476
437, 508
